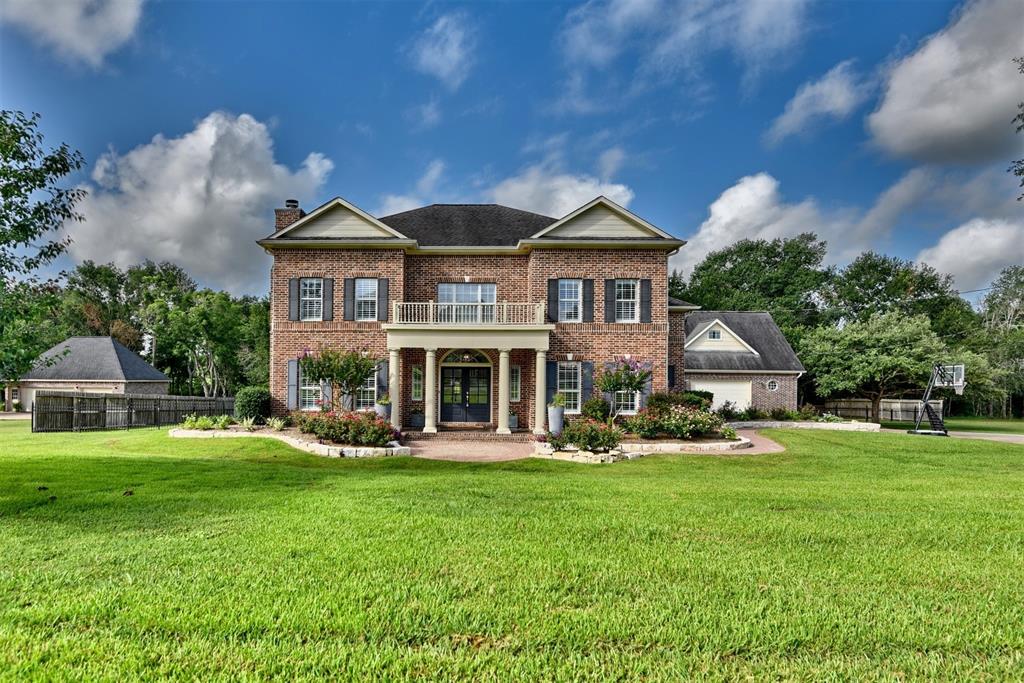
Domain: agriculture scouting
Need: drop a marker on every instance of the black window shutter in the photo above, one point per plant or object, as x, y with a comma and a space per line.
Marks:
326, 393
671, 377
382, 378
328, 293
382, 299
588, 301
587, 370
553, 300
645, 301
293, 384
551, 380
609, 301
293, 298
350, 299
645, 393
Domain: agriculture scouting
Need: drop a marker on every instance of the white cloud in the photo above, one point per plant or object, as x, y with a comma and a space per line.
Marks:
548, 191
199, 200
611, 161
426, 187
79, 30
835, 95
426, 115
976, 251
446, 50
952, 99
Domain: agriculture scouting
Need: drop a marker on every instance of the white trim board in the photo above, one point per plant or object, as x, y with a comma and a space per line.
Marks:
698, 335
614, 208
336, 203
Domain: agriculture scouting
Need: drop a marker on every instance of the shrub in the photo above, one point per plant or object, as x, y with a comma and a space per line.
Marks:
683, 422
646, 423
17, 406
662, 401
596, 408
203, 422
751, 414
348, 428
784, 414
808, 412
728, 411
277, 423
223, 421
828, 417
248, 424
587, 435
706, 395
253, 402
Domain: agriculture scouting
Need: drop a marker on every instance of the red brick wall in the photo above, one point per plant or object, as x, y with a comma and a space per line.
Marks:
760, 397
676, 342
423, 273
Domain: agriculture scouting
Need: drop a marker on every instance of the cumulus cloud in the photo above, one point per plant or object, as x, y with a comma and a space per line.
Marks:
951, 100
426, 187
611, 161
446, 50
548, 191
426, 115
199, 200
79, 30
835, 95
976, 251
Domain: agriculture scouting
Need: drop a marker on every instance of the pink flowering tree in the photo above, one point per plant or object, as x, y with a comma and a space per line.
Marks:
345, 370
626, 374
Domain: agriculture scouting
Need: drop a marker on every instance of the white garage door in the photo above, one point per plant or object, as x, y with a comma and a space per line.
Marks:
736, 391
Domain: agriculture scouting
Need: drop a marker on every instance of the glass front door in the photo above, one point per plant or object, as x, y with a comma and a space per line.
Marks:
465, 394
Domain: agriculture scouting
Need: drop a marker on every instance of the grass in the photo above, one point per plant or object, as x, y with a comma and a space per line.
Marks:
970, 424
129, 555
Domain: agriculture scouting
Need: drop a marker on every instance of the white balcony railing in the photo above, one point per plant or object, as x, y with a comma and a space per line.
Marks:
433, 313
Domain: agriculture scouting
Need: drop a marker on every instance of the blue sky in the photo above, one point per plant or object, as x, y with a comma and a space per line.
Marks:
881, 125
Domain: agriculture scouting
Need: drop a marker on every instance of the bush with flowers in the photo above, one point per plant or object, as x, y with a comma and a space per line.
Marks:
587, 435
348, 427
678, 422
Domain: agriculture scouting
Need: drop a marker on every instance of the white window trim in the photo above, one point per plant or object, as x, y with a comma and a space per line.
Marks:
579, 385
302, 299
714, 335
416, 392
317, 392
515, 384
636, 402
771, 382
578, 300
372, 381
365, 299
635, 300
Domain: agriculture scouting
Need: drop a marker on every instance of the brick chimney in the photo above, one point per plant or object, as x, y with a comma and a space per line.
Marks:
288, 215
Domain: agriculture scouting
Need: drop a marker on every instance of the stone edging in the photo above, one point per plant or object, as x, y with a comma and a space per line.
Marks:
832, 426
394, 448
632, 451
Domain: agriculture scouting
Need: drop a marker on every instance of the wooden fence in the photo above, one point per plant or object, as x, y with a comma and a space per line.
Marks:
73, 411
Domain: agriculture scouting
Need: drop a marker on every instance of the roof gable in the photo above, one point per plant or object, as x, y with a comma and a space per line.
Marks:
774, 354
602, 218
338, 219
95, 359
727, 340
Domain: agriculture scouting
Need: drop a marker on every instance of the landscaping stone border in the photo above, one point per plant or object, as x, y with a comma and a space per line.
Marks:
632, 451
833, 426
394, 448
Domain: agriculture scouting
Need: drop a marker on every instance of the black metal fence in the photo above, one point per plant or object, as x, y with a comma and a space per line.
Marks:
904, 414
72, 411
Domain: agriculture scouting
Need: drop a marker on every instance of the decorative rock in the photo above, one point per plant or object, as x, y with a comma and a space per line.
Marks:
830, 426
393, 448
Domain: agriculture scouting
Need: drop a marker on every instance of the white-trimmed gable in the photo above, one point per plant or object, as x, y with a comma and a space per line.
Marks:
602, 219
338, 219
716, 336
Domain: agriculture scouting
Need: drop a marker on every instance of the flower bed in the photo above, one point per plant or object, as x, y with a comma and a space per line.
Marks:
678, 422
347, 428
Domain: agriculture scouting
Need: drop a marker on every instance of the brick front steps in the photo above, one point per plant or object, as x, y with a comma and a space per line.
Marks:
468, 435
303, 445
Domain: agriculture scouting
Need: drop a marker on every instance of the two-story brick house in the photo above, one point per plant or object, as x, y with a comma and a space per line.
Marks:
477, 312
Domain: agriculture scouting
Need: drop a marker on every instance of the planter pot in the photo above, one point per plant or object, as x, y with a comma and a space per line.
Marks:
556, 419
513, 421
417, 420
382, 411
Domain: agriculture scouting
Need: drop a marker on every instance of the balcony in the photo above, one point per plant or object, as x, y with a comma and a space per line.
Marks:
433, 314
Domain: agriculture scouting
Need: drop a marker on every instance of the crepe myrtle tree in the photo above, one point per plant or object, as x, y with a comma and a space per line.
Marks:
889, 354
346, 371
626, 374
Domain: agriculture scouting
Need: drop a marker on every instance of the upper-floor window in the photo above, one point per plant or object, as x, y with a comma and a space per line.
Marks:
466, 302
570, 301
627, 301
311, 298
714, 335
366, 298
570, 385
366, 396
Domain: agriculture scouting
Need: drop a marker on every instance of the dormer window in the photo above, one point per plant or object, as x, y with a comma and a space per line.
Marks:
715, 335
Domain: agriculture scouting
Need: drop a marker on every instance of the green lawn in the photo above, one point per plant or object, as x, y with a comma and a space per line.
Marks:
850, 556
969, 424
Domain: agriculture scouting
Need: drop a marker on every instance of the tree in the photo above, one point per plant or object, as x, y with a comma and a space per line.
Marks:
783, 276
626, 375
889, 354
205, 331
1017, 166
346, 371
1002, 311
95, 302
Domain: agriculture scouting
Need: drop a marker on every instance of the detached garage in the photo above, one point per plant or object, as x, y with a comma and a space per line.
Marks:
741, 357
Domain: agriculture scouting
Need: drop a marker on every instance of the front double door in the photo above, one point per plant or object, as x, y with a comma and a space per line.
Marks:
465, 394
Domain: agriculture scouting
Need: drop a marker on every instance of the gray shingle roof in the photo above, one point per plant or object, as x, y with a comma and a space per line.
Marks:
774, 354
672, 301
94, 358
467, 224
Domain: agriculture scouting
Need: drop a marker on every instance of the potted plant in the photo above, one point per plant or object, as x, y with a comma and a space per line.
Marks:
383, 406
416, 418
513, 420
556, 413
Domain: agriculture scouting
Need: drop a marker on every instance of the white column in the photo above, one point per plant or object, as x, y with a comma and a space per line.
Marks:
430, 392
540, 407
395, 386
504, 388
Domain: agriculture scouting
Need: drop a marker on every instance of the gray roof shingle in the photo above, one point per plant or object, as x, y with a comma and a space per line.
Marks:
94, 358
774, 354
458, 225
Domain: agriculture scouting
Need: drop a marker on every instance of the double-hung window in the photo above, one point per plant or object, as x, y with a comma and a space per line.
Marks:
309, 394
466, 302
570, 301
366, 298
366, 395
625, 402
416, 389
515, 381
311, 298
627, 301
570, 385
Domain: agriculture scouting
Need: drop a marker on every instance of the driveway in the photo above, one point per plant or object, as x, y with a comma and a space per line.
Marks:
982, 436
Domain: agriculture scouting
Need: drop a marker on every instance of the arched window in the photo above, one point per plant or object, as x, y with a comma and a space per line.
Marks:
465, 356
